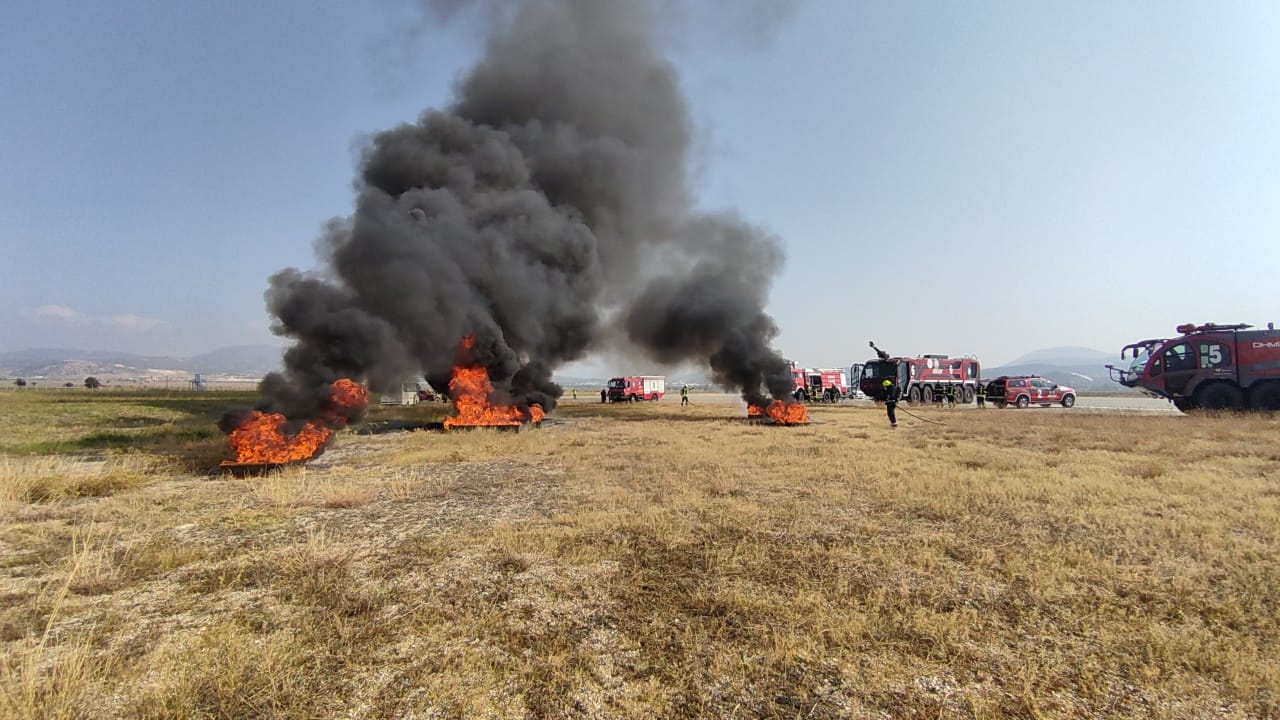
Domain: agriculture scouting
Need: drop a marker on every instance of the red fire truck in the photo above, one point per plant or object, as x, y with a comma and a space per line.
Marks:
633, 388
1216, 367
828, 384
922, 378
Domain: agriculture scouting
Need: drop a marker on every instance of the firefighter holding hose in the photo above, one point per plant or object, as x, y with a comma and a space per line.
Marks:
891, 401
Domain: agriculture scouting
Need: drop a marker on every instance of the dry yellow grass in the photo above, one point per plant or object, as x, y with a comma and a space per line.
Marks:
28, 480
648, 562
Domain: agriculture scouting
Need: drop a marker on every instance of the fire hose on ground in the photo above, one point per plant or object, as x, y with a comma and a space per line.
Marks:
899, 408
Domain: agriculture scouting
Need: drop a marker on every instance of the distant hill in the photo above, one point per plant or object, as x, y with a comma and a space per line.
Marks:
71, 364
1078, 367
1065, 356
37, 357
1081, 368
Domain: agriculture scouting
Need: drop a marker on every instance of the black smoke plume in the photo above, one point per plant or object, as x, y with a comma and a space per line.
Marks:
546, 205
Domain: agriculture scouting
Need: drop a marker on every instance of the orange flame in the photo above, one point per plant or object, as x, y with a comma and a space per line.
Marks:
782, 413
350, 395
470, 389
261, 438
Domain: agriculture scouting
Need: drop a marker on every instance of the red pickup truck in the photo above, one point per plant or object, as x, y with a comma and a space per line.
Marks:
1023, 390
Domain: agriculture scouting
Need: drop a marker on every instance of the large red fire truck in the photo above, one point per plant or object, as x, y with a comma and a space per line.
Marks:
1216, 367
820, 383
633, 388
922, 378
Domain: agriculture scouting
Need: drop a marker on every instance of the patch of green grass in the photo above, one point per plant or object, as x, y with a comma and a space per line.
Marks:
177, 425
152, 439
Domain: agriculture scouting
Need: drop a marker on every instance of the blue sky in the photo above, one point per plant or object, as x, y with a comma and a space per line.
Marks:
982, 178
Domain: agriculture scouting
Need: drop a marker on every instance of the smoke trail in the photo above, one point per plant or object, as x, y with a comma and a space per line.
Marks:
551, 194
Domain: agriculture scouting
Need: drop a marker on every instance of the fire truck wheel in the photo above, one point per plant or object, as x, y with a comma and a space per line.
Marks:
926, 395
968, 395
1068, 401
1219, 396
913, 396
1265, 396
1023, 402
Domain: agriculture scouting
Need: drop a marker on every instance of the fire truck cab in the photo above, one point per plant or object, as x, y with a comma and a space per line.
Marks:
633, 388
827, 384
1214, 367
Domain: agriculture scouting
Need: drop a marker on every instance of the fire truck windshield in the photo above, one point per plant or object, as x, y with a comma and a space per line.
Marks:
617, 383
876, 370
1134, 371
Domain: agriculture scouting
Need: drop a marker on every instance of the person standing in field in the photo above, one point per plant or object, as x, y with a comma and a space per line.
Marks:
891, 401
575, 393
604, 395
684, 395
982, 395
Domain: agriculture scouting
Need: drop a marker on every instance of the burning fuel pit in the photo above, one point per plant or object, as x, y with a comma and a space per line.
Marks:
251, 469
778, 412
265, 440
474, 401
770, 422
503, 428
392, 426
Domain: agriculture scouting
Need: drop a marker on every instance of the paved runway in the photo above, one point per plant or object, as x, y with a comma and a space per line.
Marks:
1118, 404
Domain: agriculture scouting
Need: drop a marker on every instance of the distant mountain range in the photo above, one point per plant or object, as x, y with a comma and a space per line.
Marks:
1081, 368
63, 364
1066, 356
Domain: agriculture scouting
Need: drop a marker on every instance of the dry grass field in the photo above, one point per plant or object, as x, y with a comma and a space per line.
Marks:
641, 562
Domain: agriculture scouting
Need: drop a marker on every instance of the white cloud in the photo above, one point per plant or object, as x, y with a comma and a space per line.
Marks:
129, 321
65, 314
60, 313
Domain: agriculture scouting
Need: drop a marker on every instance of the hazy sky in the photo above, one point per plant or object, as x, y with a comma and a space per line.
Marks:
984, 178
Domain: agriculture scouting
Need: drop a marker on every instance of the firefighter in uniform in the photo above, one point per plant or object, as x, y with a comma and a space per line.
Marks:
981, 395
891, 401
